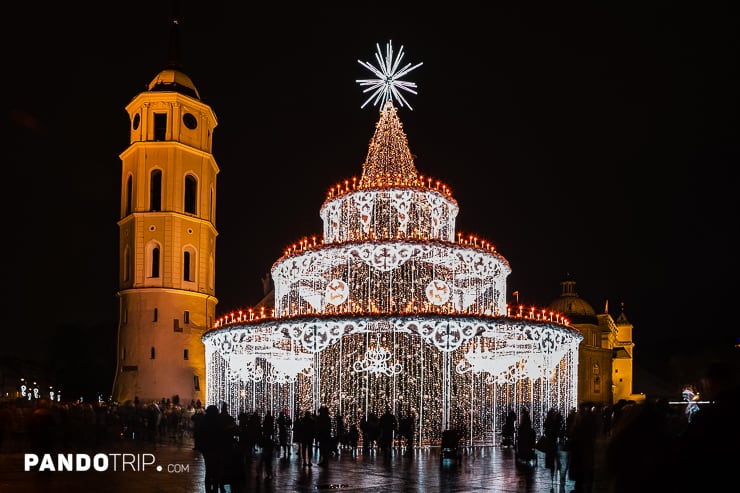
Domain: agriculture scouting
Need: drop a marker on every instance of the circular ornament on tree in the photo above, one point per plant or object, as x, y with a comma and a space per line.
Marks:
336, 292
438, 292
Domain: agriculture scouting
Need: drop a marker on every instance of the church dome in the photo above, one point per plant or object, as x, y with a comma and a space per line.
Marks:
572, 306
174, 80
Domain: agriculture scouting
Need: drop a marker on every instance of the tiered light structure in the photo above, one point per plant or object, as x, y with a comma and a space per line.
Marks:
393, 308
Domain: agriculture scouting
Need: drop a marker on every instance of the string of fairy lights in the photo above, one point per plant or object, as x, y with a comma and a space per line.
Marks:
392, 307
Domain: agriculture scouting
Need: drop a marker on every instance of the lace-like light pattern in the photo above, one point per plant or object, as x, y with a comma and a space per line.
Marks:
390, 308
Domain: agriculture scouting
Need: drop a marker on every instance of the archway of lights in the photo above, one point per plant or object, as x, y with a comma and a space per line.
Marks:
392, 307
452, 370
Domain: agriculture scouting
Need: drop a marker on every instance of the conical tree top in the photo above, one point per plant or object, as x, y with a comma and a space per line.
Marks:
389, 160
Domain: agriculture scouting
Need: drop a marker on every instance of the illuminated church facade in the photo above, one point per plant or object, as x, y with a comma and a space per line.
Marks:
362, 303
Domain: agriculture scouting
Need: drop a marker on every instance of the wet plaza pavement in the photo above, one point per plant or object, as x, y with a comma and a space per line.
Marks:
165, 467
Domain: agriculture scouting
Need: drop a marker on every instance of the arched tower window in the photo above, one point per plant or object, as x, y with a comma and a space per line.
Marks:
153, 256
153, 259
211, 272
129, 191
126, 264
155, 190
191, 194
212, 209
188, 265
155, 262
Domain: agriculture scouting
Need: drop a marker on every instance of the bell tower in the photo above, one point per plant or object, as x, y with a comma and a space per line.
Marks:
167, 239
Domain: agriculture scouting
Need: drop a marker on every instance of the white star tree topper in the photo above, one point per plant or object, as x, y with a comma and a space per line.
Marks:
387, 84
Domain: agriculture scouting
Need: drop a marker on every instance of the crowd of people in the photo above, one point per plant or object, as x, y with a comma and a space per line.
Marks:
644, 446
230, 446
50, 425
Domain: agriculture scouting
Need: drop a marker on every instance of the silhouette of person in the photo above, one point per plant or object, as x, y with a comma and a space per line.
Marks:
268, 424
306, 434
215, 444
249, 434
284, 424
365, 429
526, 438
323, 435
388, 425
267, 446
507, 431
197, 419
341, 430
582, 444
553, 430
371, 431
353, 437
410, 431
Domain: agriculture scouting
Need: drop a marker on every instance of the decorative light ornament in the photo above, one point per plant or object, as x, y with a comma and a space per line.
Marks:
287, 365
244, 367
376, 362
336, 292
438, 292
387, 84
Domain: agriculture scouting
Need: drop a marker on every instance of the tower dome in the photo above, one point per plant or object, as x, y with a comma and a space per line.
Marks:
174, 80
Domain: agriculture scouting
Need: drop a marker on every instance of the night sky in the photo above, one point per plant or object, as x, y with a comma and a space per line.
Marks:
584, 140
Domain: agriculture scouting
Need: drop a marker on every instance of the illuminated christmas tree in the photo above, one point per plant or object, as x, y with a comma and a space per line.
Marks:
393, 308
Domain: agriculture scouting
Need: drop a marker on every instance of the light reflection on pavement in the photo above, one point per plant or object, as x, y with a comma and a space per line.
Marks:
182, 470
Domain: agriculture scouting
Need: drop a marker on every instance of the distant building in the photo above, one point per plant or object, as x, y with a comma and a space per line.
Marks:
606, 353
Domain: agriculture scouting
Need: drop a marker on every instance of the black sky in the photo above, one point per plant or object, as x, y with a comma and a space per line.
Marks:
590, 140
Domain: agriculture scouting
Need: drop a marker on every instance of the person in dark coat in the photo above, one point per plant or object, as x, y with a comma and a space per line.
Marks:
305, 432
197, 418
268, 424
507, 432
582, 443
341, 431
353, 438
284, 424
553, 428
215, 445
388, 425
267, 451
526, 438
323, 435
410, 431
249, 434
